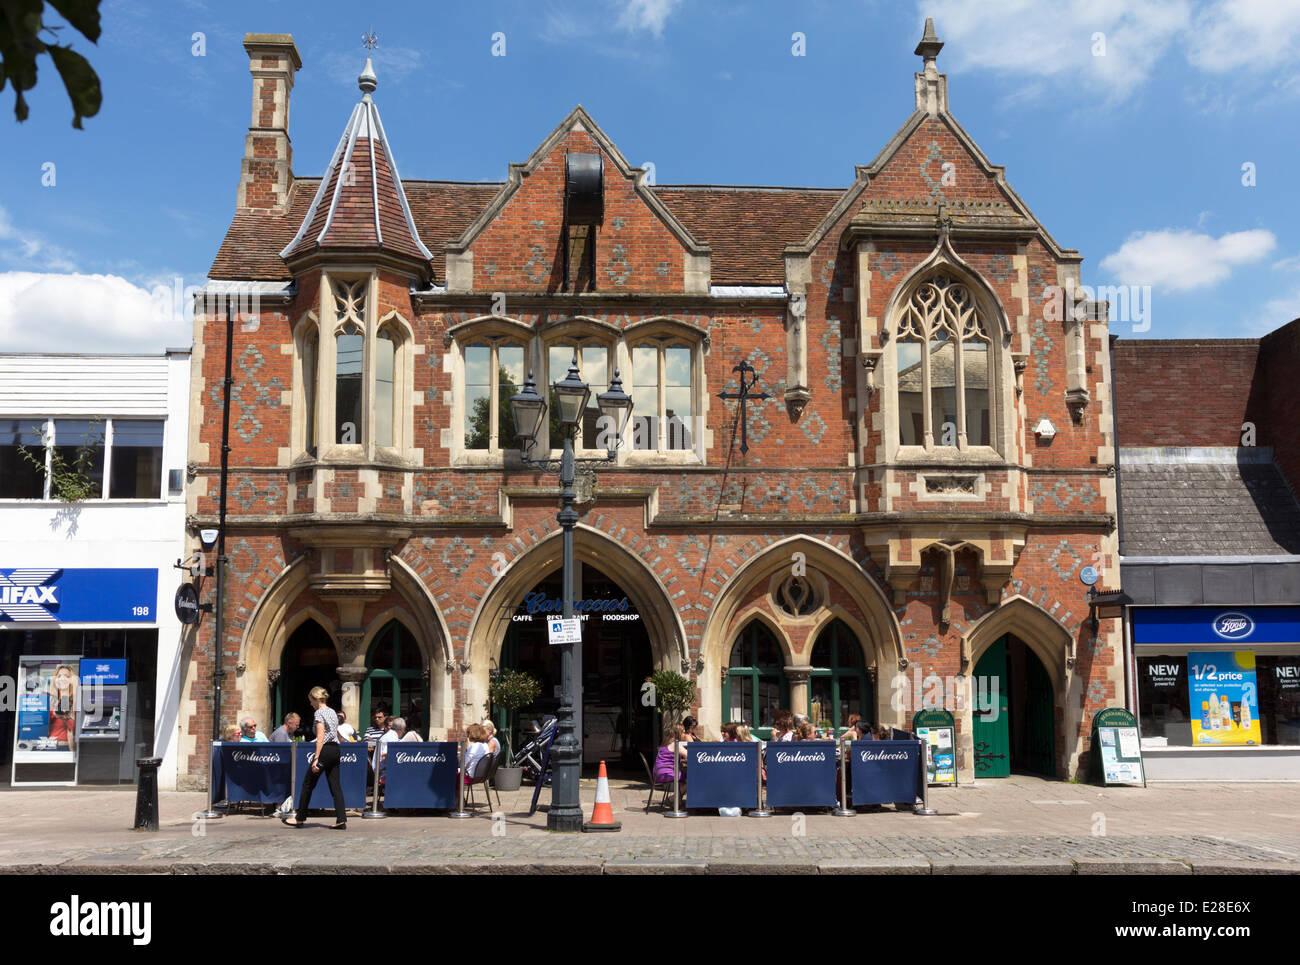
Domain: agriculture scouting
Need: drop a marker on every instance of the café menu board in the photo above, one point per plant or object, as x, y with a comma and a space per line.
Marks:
1224, 698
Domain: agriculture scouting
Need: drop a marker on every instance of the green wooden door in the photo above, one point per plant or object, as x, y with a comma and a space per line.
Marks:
755, 685
396, 680
992, 730
1040, 717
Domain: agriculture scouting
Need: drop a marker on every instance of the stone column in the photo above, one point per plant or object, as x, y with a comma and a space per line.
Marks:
352, 677
798, 679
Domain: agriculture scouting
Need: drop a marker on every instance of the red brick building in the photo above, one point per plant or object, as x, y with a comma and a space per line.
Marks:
930, 471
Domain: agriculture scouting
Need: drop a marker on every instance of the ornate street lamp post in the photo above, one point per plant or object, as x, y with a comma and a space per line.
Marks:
528, 410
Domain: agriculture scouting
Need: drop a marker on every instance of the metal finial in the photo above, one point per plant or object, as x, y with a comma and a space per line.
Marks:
368, 81
368, 39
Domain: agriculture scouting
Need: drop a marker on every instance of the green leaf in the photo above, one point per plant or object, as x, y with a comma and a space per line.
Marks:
80, 80
82, 14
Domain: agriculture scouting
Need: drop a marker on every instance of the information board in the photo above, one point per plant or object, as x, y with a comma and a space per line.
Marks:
936, 728
1116, 748
560, 630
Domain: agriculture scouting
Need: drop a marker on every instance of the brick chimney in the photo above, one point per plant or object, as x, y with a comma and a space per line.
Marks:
267, 169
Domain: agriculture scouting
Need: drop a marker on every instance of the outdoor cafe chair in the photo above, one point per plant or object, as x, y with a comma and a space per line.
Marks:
486, 767
654, 785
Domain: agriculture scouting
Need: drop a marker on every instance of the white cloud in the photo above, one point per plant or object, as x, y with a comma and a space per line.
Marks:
48, 312
646, 15
1288, 264
1056, 42
392, 65
1232, 35
1182, 260
22, 248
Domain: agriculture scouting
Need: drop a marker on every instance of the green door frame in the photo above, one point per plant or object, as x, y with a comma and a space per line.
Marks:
836, 673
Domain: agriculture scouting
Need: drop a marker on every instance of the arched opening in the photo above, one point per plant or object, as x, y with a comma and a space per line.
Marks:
397, 678
1014, 718
309, 659
756, 685
838, 685
615, 659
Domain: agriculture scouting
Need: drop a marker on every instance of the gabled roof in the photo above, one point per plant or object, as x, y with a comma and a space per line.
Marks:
577, 120
360, 204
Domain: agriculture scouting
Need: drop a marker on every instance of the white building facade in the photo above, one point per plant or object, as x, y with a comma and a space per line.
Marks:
92, 478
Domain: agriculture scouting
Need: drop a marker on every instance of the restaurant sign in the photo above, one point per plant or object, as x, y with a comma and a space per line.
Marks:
539, 606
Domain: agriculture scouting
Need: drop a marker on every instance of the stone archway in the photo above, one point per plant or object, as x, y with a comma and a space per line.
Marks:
882, 633
1047, 640
271, 623
590, 546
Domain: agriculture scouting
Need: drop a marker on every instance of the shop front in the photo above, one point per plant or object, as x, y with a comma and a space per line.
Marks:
1218, 691
81, 646
616, 660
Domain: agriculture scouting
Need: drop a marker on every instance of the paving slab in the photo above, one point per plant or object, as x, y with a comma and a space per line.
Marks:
1131, 866
643, 866
873, 866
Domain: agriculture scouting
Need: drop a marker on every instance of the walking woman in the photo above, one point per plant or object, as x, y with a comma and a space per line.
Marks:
325, 759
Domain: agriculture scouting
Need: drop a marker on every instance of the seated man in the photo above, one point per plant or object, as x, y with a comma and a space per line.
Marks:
248, 732
286, 730
381, 752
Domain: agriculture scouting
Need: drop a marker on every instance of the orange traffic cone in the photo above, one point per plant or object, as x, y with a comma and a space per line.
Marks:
602, 816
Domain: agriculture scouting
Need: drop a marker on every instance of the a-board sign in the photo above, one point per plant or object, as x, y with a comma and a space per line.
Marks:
1116, 748
560, 630
936, 727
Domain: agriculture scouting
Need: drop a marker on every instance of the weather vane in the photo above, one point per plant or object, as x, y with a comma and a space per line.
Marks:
368, 39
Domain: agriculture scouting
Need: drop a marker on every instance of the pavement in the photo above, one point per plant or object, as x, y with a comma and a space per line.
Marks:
1018, 825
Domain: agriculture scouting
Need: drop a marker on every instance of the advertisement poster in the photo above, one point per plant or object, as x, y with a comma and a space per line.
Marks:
943, 762
1224, 698
47, 710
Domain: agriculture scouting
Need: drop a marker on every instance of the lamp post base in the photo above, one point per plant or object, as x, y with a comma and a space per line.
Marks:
564, 819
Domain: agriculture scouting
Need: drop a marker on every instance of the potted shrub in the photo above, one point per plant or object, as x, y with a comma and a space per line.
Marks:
510, 690
674, 693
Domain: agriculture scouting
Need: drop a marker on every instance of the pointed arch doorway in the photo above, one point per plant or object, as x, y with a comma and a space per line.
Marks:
616, 658
309, 659
1016, 729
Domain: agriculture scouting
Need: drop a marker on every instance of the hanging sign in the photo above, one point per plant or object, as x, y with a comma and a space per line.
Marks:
936, 727
723, 774
1117, 750
187, 604
560, 630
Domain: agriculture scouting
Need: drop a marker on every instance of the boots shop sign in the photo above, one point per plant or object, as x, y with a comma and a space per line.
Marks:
53, 595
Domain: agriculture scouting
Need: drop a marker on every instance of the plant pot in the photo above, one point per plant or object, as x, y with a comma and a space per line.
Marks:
508, 778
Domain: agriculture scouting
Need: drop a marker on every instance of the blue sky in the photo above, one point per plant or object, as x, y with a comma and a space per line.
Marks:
1124, 125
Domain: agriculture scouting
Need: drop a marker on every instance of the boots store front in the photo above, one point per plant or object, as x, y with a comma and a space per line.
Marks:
1219, 691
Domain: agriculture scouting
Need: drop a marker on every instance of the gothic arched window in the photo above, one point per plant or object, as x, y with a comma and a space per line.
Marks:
945, 368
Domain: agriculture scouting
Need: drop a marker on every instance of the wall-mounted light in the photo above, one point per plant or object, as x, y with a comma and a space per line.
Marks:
1045, 430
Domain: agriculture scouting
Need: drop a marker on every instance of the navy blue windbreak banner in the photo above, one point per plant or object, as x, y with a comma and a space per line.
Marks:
722, 774
801, 774
256, 772
218, 775
420, 775
885, 772
352, 776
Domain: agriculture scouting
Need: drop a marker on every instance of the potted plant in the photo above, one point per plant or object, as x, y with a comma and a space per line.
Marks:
510, 690
673, 693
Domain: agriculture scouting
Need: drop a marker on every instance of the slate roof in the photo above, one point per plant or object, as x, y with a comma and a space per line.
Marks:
1207, 509
748, 228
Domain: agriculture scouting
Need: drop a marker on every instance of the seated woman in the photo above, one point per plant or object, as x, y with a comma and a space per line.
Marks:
663, 769
859, 730
743, 733
689, 725
490, 733
729, 733
884, 732
805, 731
234, 733
476, 751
